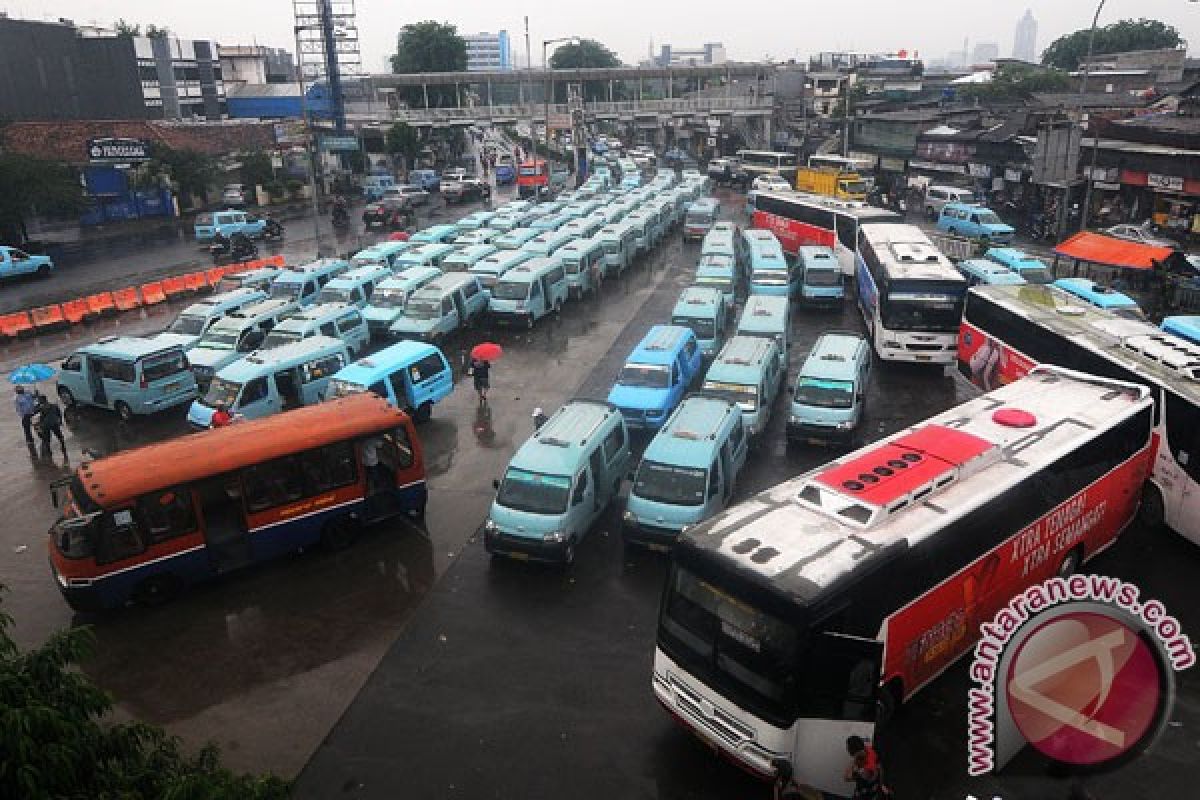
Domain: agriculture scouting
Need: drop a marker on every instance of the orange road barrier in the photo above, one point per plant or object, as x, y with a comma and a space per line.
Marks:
152, 293
174, 287
214, 275
127, 299
101, 304
196, 282
15, 325
76, 311
48, 318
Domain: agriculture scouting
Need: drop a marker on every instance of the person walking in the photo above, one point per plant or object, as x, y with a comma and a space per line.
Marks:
481, 373
25, 406
49, 423
865, 771
539, 419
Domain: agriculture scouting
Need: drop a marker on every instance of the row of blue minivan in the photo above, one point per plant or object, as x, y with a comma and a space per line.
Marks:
731, 258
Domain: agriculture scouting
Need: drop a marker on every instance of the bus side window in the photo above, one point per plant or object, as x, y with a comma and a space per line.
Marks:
167, 514
120, 537
272, 484
397, 450
329, 467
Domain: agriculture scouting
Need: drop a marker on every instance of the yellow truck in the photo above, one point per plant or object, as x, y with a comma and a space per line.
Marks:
831, 183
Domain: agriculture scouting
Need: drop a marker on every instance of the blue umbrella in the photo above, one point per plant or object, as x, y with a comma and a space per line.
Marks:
32, 373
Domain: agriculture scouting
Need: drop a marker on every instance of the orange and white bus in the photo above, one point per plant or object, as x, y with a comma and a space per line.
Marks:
791, 620
142, 524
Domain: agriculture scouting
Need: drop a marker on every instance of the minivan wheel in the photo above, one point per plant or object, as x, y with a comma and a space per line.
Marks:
123, 411
65, 396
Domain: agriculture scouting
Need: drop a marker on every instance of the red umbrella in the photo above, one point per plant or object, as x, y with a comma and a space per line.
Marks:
488, 351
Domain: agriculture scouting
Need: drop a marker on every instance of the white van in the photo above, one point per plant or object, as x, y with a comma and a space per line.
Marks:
936, 198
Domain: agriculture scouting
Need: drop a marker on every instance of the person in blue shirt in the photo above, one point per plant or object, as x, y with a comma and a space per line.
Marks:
25, 406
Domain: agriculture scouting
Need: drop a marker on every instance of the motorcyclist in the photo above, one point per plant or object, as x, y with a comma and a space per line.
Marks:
272, 227
241, 246
220, 243
340, 213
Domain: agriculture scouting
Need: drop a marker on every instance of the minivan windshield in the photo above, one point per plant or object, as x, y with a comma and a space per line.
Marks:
724, 284
821, 393
221, 393
510, 290
822, 277
219, 339
704, 328
534, 492
279, 338
289, 291
745, 396
649, 376
388, 298
666, 483
423, 308
188, 324
331, 295
769, 277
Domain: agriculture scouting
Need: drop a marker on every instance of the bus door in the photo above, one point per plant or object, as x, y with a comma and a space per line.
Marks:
839, 687
225, 532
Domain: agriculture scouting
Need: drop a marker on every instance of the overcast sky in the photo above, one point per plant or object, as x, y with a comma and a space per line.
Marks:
932, 27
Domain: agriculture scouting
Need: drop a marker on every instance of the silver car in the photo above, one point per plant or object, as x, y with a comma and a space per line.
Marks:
1141, 234
414, 194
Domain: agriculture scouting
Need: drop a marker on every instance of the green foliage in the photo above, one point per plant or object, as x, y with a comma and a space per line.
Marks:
1018, 82
429, 47
28, 185
294, 186
583, 54
1069, 51
155, 32
192, 171
127, 29
401, 140
55, 740
257, 169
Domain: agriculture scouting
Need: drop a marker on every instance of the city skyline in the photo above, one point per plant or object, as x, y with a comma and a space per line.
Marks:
931, 28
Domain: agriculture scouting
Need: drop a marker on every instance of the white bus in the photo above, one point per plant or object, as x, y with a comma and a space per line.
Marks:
840, 163
798, 617
799, 219
1007, 329
910, 295
767, 162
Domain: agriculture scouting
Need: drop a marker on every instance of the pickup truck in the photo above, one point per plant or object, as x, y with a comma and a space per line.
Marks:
464, 189
14, 262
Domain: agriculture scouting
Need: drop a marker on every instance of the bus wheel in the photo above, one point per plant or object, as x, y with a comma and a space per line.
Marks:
888, 701
423, 412
1152, 513
156, 591
1070, 563
338, 534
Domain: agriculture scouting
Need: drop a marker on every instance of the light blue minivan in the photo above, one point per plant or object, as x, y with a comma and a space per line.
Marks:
413, 376
558, 484
583, 260
974, 222
354, 286
1098, 296
822, 283
490, 268
130, 375
192, 323
267, 382
1032, 269
385, 253
435, 234
335, 320
767, 316
688, 472
620, 247
388, 300
656, 376
529, 291
770, 272
442, 307
548, 243
831, 390
302, 284
747, 372
427, 255
719, 272
702, 308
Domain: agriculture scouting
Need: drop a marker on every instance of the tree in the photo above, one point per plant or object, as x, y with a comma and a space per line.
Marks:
257, 169
155, 32
583, 54
401, 140
57, 739
430, 47
192, 171
1069, 51
1018, 82
29, 186
127, 29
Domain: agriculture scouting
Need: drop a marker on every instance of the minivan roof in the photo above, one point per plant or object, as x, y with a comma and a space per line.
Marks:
367, 272
407, 278
660, 344
764, 307
253, 364
558, 447
126, 348
698, 299
369, 369
834, 356
690, 436
817, 256
741, 360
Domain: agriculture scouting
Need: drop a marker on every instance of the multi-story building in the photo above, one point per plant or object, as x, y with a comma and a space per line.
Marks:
256, 64
71, 72
708, 53
985, 52
1025, 39
488, 51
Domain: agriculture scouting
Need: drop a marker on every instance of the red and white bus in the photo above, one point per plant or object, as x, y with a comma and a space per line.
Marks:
1007, 329
807, 219
790, 620
141, 524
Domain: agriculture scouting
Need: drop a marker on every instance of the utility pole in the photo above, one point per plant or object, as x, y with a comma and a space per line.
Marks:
529, 99
1087, 66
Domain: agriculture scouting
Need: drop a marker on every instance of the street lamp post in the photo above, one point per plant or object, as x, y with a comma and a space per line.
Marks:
546, 97
1087, 66
310, 145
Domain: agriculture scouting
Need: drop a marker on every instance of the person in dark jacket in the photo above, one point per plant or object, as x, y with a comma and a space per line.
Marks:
49, 423
480, 371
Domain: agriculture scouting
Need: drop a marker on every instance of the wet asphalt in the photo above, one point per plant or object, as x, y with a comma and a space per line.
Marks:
412, 665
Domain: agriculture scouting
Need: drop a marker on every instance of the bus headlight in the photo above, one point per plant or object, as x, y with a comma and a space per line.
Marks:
629, 518
554, 537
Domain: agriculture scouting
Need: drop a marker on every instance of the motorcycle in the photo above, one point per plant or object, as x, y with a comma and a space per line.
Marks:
273, 231
238, 248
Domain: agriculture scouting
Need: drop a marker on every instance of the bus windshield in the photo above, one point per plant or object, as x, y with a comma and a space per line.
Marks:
648, 376
918, 311
188, 324
510, 290
745, 396
824, 394
222, 393
704, 328
534, 492
388, 298
666, 483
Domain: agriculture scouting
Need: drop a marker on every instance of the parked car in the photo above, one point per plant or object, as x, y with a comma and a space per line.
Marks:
426, 179
234, 195
374, 186
464, 189
936, 198
1142, 234
389, 212
408, 191
14, 262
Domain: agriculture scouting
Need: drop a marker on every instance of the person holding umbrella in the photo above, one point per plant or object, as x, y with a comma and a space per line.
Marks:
25, 406
26, 402
482, 356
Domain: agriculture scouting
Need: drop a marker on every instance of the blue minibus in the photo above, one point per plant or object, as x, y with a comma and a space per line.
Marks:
656, 375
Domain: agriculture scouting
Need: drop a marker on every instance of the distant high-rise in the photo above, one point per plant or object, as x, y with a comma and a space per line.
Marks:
1025, 41
985, 52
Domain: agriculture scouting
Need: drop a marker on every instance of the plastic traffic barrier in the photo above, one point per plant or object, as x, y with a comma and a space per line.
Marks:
48, 318
273, 261
127, 299
152, 293
174, 287
101, 304
17, 324
196, 282
214, 275
76, 311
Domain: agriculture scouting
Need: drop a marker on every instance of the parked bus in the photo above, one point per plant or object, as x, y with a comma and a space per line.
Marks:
841, 163
800, 219
142, 524
767, 162
910, 295
792, 620
1006, 330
